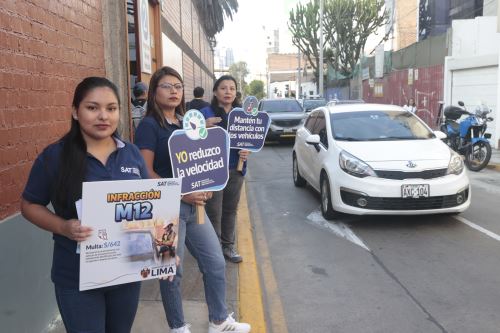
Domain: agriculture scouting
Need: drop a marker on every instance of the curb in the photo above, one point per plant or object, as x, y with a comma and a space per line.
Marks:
493, 166
251, 306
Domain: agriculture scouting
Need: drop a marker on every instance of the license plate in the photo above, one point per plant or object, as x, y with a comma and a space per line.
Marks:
287, 130
415, 191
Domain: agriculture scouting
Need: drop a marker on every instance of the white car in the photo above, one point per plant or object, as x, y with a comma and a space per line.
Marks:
379, 160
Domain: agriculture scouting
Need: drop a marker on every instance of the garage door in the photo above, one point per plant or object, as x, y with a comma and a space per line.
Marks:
474, 86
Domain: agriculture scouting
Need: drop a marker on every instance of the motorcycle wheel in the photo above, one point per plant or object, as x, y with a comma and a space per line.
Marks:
478, 156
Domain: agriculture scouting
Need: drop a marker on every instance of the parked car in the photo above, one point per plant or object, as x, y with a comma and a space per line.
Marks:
310, 104
286, 116
378, 159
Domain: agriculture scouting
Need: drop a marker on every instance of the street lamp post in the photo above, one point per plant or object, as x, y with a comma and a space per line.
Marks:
298, 90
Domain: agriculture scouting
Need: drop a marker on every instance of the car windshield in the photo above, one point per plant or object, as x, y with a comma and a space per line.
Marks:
311, 104
378, 126
281, 106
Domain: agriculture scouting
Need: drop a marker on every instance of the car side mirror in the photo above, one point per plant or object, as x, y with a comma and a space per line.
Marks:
313, 139
440, 135
461, 103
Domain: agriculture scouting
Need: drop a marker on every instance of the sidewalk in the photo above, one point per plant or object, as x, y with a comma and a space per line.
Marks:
495, 159
150, 316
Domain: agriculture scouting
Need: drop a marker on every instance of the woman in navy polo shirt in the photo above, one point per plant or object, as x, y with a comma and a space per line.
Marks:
163, 117
221, 209
90, 151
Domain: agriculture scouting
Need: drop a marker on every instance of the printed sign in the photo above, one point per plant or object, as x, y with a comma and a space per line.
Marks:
199, 155
247, 126
135, 225
144, 36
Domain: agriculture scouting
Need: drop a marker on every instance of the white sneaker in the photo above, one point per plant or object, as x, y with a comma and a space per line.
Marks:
183, 329
229, 325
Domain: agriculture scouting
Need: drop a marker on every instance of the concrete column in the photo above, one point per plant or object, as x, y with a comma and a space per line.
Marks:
114, 23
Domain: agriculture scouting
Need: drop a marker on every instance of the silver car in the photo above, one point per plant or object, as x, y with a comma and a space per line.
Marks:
286, 116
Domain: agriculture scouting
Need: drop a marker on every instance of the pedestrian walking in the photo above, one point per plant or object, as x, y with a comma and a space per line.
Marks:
197, 103
90, 151
163, 117
222, 207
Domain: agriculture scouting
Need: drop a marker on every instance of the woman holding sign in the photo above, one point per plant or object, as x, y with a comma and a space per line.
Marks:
163, 117
221, 209
90, 151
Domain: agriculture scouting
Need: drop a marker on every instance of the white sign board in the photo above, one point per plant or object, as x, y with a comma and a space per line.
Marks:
379, 61
135, 228
144, 36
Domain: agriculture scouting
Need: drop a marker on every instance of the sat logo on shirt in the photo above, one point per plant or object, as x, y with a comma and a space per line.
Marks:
131, 170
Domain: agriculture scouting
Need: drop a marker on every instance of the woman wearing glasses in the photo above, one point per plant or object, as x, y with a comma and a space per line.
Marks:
165, 108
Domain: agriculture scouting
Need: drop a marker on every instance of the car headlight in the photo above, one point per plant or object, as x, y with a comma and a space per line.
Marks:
354, 166
456, 165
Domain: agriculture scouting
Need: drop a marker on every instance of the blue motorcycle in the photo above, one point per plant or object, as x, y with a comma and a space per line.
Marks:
467, 136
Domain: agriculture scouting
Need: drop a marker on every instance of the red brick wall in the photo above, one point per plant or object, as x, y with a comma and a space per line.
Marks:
427, 91
46, 48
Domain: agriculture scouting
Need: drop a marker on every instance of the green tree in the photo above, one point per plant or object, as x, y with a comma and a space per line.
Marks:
239, 71
348, 24
255, 88
212, 14
303, 24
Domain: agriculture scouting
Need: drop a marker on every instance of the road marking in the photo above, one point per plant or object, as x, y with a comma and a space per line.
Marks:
478, 227
251, 308
274, 307
338, 228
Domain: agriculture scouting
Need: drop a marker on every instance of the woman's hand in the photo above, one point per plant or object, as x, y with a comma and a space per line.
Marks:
197, 198
211, 122
171, 277
74, 230
244, 154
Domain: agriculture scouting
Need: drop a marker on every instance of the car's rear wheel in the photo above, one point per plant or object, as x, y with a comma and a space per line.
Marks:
297, 178
326, 199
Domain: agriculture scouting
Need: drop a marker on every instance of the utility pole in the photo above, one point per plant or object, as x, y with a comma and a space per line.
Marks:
320, 48
299, 93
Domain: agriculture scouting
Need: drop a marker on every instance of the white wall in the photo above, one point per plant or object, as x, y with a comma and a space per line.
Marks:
475, 57
475, 37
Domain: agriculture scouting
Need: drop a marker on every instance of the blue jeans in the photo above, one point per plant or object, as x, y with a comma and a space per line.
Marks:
203, 244
104, 310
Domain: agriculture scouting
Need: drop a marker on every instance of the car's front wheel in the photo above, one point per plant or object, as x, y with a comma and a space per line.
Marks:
297, 178
326, 199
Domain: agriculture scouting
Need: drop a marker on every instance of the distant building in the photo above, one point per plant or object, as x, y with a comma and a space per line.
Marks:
282, 72
435, 16
272, 40
403, 18
223, 58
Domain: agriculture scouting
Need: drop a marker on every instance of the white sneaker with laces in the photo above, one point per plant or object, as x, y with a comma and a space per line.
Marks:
229, 325
183, 329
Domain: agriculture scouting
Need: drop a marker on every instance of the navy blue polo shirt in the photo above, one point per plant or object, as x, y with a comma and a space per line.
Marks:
124, 163
234, 156
151, 136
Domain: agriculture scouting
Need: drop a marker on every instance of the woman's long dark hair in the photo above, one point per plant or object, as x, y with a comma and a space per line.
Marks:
73, 162
215, 102
153, 109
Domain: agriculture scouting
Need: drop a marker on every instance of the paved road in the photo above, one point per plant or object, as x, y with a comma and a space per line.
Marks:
372, 274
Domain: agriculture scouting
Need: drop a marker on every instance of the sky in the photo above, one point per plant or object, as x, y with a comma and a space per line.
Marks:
246, 33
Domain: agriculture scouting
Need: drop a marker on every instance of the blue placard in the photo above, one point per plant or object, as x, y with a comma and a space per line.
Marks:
247, 126
199, 155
